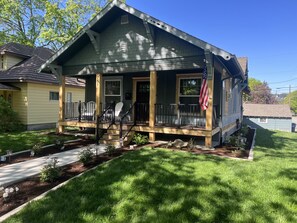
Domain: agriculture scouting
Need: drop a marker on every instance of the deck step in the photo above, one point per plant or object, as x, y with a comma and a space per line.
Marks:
112, 138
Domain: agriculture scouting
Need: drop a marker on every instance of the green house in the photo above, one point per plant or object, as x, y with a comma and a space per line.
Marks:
156, 70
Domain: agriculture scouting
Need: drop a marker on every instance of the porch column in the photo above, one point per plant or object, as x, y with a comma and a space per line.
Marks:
153, 100
209, 111
99, 84
61, 103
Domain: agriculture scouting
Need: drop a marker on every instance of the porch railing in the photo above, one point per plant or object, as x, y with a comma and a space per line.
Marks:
79, 111
179, 115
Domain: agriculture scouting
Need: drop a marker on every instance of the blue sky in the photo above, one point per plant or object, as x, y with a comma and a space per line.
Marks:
263, 30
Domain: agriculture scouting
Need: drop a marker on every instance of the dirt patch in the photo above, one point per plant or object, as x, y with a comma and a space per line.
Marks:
33, 187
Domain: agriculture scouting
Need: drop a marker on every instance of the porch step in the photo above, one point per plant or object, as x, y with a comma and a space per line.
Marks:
112, 138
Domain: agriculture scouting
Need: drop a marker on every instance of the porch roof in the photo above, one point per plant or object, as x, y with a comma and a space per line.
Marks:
108, 14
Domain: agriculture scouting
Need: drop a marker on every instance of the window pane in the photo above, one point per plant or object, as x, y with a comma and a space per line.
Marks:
54, 96
190, 86
112, 88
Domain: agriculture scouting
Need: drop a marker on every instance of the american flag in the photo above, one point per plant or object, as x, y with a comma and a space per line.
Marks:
203, 99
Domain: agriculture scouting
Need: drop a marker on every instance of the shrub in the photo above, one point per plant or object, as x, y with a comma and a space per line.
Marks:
140, 139
110, 149
37, 148
85, 156
50, 172
9, 120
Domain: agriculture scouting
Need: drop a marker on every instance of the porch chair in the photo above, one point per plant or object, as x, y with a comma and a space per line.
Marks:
89, 111
117, 110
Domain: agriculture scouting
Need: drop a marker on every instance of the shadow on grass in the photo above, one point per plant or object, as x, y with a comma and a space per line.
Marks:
148, 186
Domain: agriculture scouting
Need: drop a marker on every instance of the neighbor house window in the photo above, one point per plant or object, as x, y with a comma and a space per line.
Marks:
112, 91
54, 96
263, 120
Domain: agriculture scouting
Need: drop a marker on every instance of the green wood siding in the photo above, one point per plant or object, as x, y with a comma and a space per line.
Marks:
126, 48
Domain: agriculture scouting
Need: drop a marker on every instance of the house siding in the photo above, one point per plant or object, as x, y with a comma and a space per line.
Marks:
282, 124
40, 109
126, 48
20, 101
12, 60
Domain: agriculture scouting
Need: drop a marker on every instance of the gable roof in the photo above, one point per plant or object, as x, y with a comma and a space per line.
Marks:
267, 110
27, 70
116, 6
18, 49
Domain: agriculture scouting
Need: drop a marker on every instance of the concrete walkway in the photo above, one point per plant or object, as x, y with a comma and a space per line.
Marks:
16, 172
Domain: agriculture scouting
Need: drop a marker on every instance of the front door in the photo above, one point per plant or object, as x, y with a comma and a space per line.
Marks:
142, 99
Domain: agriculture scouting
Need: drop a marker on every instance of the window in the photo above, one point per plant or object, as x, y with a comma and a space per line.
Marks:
189, 90
69, 97
112, 91
263, 120
54, 96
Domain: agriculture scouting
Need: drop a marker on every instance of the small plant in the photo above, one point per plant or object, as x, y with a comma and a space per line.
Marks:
85, 156
236, 141
110, 149
50, 172
140, 139
36, 149
244, 130
9, 192
60, 144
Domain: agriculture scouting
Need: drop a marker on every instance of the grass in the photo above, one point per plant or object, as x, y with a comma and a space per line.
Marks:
19, 141
158, 185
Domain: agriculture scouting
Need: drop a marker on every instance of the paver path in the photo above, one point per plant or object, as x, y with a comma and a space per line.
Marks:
16, 172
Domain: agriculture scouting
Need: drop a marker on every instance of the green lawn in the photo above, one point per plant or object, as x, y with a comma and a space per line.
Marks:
19, 141
165, 186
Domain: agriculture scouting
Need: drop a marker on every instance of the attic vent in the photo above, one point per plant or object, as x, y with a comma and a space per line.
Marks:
124, 19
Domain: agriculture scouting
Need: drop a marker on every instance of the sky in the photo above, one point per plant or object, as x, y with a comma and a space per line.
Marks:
265, 31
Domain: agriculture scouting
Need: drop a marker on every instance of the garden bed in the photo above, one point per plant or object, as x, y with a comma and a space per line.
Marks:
33, 187
224, 150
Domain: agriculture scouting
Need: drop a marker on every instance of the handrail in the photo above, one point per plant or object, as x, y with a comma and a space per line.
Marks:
121, 124
99, 117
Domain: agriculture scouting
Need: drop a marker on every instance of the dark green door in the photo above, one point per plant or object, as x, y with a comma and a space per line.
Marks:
142, 99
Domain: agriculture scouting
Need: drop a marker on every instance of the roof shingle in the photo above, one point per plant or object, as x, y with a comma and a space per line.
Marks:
267, 110
27, 70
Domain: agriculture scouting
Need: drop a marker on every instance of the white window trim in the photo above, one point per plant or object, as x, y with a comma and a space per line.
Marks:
266, 120
187, 77
115, 78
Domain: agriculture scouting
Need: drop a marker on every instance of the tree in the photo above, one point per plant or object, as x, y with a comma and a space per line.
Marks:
261, 94
44, 22
253, 83
291, 99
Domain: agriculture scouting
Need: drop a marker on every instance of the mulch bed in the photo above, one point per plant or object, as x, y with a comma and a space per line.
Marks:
46, 151
32, 187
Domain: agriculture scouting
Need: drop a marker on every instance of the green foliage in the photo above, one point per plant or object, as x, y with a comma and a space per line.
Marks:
110, 149
140, 139
253, 83
50, 172
37, 148
291, 99
45, 22
86, 156
9, 119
